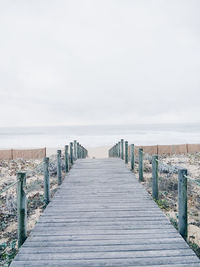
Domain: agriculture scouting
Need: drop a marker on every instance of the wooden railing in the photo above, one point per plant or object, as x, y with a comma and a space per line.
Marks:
77, 151
118, 151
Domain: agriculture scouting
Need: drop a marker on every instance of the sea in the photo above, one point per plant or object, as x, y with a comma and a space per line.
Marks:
99, 135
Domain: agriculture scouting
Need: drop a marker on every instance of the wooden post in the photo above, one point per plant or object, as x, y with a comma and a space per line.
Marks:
118, 149
122, 148
59, 168
71, 154
46, 181
75, 150
126, 152
21, 209
182, 203
78, 150
82, 152
85, 153
155, 177
132, 150
115, 150
66, 159
141, 165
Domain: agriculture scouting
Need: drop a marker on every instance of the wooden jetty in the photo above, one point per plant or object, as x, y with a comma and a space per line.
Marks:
102, 216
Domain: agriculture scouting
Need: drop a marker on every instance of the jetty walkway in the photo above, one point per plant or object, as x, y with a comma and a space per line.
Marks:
102, 216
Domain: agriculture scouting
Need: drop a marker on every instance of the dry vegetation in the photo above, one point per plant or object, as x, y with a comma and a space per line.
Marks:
168, 192
34, 191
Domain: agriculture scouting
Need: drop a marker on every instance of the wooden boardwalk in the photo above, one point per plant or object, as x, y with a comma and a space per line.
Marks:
102, 216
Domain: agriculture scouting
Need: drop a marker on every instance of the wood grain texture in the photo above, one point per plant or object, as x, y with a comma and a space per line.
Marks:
102, 216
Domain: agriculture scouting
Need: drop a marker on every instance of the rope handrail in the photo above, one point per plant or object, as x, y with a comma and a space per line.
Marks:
28, 172
146, 154
192, 179
72, 152
167, 165
158, 166
9, 186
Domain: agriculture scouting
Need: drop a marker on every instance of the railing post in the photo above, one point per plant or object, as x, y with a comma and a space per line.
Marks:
75, 150
155, 177
126, 152
80, 151
46, 181
182, 203
118, 149
21, 209
132, 150
71, 154
115, 150
85, 153
122, 148
141, 165
59, 168
66, 158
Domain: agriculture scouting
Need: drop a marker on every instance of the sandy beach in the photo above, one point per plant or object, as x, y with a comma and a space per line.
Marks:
93, 152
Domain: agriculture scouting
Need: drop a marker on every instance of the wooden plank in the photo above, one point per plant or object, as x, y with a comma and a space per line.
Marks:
102, 255
114, 263
65, 237
103, 248
106, 242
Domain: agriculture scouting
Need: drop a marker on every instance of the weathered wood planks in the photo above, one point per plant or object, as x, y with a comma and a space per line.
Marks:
102, 216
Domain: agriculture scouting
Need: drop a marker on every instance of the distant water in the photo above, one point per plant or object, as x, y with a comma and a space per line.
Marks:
92, 136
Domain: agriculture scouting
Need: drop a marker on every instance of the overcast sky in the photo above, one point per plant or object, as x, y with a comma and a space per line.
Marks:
99, 62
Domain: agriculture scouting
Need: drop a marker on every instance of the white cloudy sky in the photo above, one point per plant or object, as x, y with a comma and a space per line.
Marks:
99, 62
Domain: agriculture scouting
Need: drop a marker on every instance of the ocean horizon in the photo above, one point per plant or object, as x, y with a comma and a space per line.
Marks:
99, 135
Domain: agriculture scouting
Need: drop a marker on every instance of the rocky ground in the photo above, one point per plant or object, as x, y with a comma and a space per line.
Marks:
34, 191
168, 191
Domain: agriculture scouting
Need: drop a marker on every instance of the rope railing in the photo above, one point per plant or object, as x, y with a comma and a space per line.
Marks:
8, 187
163, 167
76, 151
118, 151
192, 179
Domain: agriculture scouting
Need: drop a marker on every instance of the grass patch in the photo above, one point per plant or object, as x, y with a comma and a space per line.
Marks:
7, 252
163, 204
174, 222
195, 247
